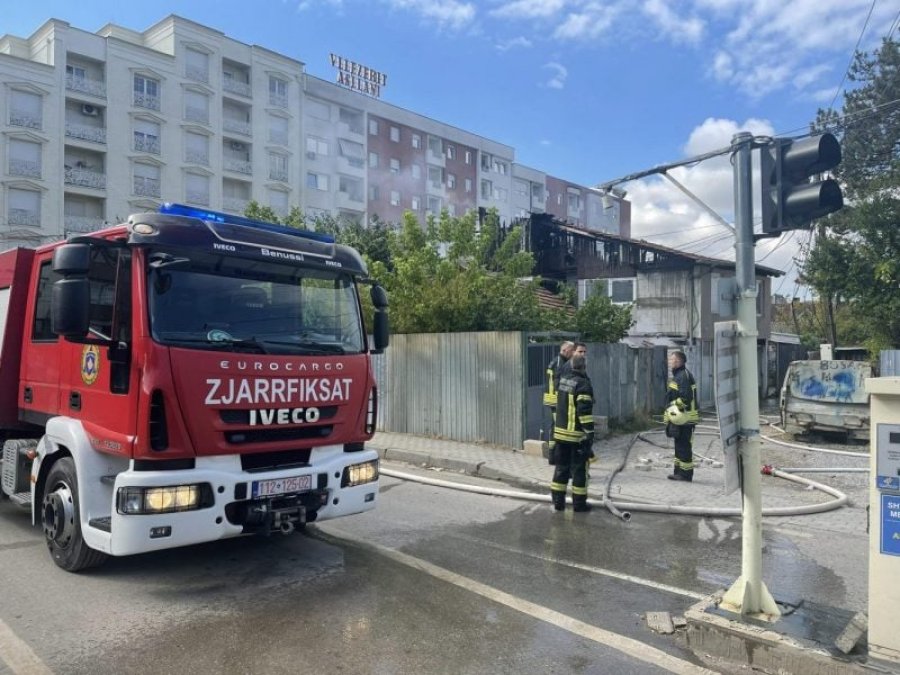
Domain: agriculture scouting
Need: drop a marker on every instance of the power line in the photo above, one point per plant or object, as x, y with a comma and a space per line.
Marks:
853, 54
781, 243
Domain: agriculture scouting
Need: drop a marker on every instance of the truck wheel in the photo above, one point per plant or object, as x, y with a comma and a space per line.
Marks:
61, 523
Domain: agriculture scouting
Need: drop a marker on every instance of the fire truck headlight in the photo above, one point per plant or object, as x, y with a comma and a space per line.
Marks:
359, 474
142, 500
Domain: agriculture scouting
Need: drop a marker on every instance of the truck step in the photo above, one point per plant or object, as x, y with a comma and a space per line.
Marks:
104, 524
21, 499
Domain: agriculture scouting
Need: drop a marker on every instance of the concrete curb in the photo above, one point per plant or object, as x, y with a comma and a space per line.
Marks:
735, 645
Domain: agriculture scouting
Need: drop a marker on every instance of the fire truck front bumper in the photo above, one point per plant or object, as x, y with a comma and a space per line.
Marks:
156, 510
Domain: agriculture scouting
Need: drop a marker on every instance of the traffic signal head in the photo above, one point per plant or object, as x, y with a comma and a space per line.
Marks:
790, 200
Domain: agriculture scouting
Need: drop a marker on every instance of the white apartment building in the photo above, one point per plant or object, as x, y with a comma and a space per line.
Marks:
95, 126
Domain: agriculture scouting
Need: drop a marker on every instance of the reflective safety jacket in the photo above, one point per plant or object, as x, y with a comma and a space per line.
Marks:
682, 391
551, 379
574, 408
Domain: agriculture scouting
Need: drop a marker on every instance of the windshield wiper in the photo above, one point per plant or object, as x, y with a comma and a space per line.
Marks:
249, 344
309, 346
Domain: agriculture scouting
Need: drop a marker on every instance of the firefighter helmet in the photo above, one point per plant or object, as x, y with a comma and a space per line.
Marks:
676, 415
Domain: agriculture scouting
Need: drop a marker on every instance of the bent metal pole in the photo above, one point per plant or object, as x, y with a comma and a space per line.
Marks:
748, 595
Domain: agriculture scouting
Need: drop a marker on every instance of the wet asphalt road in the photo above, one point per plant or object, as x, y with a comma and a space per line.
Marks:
479, 584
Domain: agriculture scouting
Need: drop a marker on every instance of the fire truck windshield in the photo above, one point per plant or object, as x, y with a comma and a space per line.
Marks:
233, 304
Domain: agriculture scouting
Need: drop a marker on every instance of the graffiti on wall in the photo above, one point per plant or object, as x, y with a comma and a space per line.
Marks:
837, 381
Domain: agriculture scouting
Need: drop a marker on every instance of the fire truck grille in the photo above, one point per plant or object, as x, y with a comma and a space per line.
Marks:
266, 461
270, 435
242, 416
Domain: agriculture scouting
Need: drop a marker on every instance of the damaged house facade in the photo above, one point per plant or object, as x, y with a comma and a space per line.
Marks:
676, 297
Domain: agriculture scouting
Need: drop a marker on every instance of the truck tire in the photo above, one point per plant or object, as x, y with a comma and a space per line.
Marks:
60, 519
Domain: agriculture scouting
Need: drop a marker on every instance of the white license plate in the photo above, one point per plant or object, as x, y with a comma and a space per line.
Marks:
281, 486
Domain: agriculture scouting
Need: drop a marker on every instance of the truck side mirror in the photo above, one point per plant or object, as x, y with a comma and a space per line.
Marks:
381, 331
72, 259
379, 297
70, 307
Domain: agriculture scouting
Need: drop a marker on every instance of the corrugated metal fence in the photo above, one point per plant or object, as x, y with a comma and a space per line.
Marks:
487, 387
890, 363
464, 386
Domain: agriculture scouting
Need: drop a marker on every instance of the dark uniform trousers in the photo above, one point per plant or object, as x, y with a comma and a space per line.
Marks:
684, 451
571, 463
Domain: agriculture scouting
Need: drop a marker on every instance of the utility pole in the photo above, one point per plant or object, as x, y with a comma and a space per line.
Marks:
748, 595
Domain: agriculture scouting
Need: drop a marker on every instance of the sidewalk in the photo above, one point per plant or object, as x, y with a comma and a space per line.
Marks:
785, 645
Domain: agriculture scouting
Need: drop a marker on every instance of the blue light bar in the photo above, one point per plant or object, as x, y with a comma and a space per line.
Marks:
172, 209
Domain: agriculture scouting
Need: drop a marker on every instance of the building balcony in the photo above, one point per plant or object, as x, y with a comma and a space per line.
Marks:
278, 100
83, 223
146, 144
146, 187
278, 137
236, 127
239, 165
353, 166
86, 85
355, 131
235, 204
86, 133
146, 101
436, 158
197, 73
436, 188
350, 200
233, 86
278, 174
24, 217
198, 115
24, 167
196, 156
196, 197
18, 118
85, 178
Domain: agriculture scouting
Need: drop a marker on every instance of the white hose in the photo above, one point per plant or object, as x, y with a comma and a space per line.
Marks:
724, 512
819, 469
800, 446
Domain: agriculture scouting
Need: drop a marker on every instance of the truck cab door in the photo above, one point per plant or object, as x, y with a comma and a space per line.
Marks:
99, 384
39, 374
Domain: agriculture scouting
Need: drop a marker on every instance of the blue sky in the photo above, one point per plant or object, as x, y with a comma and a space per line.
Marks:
588, 90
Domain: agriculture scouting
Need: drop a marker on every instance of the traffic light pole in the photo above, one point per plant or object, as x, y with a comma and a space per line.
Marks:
748, 595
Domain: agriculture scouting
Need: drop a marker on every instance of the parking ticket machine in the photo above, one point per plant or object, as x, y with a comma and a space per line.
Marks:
884, 519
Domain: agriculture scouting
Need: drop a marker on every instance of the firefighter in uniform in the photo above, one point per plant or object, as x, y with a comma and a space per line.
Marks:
573, 431
681, 416
552, 383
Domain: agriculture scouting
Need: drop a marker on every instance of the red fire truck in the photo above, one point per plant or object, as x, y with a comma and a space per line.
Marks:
184, 377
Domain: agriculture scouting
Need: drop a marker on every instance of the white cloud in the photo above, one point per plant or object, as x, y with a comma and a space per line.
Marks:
528, 9
591, 22
678, 29
520, 41
446, 13
558, 75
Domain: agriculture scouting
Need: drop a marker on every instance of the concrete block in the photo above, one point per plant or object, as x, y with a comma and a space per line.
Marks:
661, 622
535, 448
679, 622
857, 627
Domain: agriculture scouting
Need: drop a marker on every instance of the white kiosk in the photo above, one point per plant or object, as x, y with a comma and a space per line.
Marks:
884, 519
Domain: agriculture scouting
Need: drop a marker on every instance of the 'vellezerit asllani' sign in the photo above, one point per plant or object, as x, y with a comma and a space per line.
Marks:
358, 77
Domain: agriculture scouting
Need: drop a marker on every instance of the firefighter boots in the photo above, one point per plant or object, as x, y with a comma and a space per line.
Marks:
579, 503
559, 500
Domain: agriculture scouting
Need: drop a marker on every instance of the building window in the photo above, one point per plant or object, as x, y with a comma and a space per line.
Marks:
487, 189
416, 171
353, 152
468, 184
24, 158
434, 206
415, 203
196, 189
373, 193
316, 146
146, 92
574, 205
278, 92
436, 177
373, 160
520, 188
278, 167
451, 181
317, 181
353, 119
196, 66
395, 165
23, 207
395, 134
373, 127
196, 148
352, 187
499, 167
395, 198
451, 152
485, 162
318, 109
416, 141
435, 146
146, 180
468, 156
146, 136
25, 109
619, 291
278, 130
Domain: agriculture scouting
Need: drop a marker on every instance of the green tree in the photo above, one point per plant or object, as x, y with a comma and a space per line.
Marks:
452, 275
854, 266
599, 320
